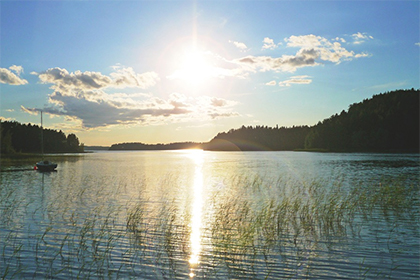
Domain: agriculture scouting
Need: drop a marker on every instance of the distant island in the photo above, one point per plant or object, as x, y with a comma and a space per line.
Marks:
387, 122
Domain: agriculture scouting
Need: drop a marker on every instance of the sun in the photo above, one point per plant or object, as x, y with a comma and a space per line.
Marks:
193, 68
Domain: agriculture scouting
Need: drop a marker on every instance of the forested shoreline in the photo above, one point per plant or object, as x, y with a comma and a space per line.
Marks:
387, 122
26, 138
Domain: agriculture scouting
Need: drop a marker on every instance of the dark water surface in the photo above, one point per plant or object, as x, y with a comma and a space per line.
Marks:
215, 215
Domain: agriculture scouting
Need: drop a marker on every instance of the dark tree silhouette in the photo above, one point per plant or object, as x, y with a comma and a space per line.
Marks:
26, 138
260, 138
387, 122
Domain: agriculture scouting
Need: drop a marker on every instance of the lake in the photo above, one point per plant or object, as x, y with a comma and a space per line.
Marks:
193, 214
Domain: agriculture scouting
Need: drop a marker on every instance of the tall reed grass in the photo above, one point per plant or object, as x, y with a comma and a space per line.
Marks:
252, 228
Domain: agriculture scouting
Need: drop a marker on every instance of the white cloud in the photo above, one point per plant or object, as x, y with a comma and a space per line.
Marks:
17, 69
417, 44
126, 77
296, 80
269, 44
61, 78
326, 50
362, 55
121, 78
105, 111
313, 51
272, 83
8, 77
218, 102
342, 40
360, 38
31, 111
287, 63
239, 45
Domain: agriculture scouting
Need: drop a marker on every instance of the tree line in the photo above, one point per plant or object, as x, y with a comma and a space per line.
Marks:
26, 138
387, 122
260, 138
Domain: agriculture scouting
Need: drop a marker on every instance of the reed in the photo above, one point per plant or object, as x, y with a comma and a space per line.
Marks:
251, 228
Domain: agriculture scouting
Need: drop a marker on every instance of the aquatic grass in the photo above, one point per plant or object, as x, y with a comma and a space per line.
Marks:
302, 220
281, 225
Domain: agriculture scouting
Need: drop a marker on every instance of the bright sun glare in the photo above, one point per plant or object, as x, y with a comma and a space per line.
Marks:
197, 209
193, 68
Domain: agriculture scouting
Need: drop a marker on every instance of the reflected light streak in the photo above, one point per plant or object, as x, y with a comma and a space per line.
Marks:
197, 209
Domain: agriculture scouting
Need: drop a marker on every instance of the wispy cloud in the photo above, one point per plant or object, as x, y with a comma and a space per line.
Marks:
389, 85
31, 111
360, 38
296, 80
417, 44
271, 83
268, 44
338, 39
8, 77
285, 63
241, 46
121, 78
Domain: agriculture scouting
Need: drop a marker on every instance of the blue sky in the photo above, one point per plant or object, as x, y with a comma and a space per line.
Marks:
169, 71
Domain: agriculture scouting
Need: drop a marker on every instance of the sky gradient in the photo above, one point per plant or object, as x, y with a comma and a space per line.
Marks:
173, 71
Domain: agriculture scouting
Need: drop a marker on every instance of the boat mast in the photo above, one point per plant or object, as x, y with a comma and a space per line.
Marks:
42, 139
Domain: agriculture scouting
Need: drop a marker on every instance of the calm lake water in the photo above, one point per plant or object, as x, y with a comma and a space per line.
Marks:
216, 215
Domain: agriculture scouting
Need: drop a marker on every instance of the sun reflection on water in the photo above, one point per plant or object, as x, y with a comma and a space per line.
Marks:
196, 210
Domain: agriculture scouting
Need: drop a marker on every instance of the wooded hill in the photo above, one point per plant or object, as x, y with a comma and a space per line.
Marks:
387, 122
26, 138
259, 138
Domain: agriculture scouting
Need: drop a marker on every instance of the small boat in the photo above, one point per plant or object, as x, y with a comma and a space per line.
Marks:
44, 165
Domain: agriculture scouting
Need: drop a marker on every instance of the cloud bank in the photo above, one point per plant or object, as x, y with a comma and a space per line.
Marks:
313, 50
122, 78
83, 96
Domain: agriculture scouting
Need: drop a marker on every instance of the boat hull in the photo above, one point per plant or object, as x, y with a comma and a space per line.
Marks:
46, 166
